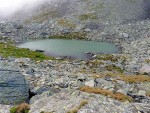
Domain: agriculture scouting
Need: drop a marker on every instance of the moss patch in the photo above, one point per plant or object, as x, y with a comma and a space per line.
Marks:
7, 50
87, 16
66, 23
114, 68
147, 60
74, 35
22, 108
112, 58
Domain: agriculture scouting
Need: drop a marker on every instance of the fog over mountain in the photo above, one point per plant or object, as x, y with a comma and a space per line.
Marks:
9, 7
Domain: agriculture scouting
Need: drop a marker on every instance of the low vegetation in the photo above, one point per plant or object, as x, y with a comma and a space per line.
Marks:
66, 23
148, 93
87, 16
114, 68
7, 50
115, 95
112, 58
76, 109
75, 35
22, 108
135, 78
46, 112
123, 77
147, 60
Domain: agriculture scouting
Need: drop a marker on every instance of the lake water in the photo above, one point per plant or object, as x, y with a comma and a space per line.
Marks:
70, 48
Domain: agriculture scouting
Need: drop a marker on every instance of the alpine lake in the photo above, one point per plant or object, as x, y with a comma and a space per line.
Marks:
77, 49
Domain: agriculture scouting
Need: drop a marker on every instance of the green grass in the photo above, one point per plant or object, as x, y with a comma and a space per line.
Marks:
7, 50
114, 68
65, 23
22, 108
88, 16
112, 58
75, 35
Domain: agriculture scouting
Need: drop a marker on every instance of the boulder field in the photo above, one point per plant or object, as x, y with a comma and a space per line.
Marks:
108, 83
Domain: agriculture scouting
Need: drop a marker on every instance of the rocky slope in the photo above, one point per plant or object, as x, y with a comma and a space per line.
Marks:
108, 83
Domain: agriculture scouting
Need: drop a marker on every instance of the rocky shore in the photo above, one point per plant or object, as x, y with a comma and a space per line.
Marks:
108, 83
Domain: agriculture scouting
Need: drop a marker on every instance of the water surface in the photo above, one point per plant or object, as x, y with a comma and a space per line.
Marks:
72, 48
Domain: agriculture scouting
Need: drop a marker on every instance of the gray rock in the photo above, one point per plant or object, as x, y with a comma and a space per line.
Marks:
90, 83
125, 35
141, 92
145, 70
66, 101
13, 86
30, 71
5, 108
81, 77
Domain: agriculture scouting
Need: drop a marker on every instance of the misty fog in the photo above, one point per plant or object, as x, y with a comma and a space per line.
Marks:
9, 7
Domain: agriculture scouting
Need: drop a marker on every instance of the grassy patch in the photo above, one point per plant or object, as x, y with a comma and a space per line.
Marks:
87, 16
94, 63
74, 35
116, 95
114, 68
65, 23
126, 78
46, 112
22, 108
7, 50
111, 58
148, 93
135, 78
75, 110
147, 60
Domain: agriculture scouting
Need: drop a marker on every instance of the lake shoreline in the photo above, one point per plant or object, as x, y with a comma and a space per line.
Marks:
86, 54
60, 82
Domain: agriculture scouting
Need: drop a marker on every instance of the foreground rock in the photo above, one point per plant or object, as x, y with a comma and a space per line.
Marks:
68, 100
13, 86
4, 108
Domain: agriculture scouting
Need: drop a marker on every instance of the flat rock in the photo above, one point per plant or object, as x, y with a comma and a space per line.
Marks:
5, 108
66, 101
90, 83
13, 86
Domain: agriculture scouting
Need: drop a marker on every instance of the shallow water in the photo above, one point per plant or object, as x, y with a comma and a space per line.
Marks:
70, 48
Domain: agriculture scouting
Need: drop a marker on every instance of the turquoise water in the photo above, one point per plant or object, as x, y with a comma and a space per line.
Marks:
73, 48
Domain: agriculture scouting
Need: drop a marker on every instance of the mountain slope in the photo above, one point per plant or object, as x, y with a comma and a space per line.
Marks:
111, 11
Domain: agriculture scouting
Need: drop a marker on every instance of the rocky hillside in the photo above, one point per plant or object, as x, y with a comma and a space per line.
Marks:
105, 11
107, 83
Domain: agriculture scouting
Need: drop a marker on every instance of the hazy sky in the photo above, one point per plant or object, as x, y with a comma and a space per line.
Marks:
10, 6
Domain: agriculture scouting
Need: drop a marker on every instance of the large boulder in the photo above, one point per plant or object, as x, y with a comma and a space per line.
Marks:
13, 86
66, 100
145, 70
